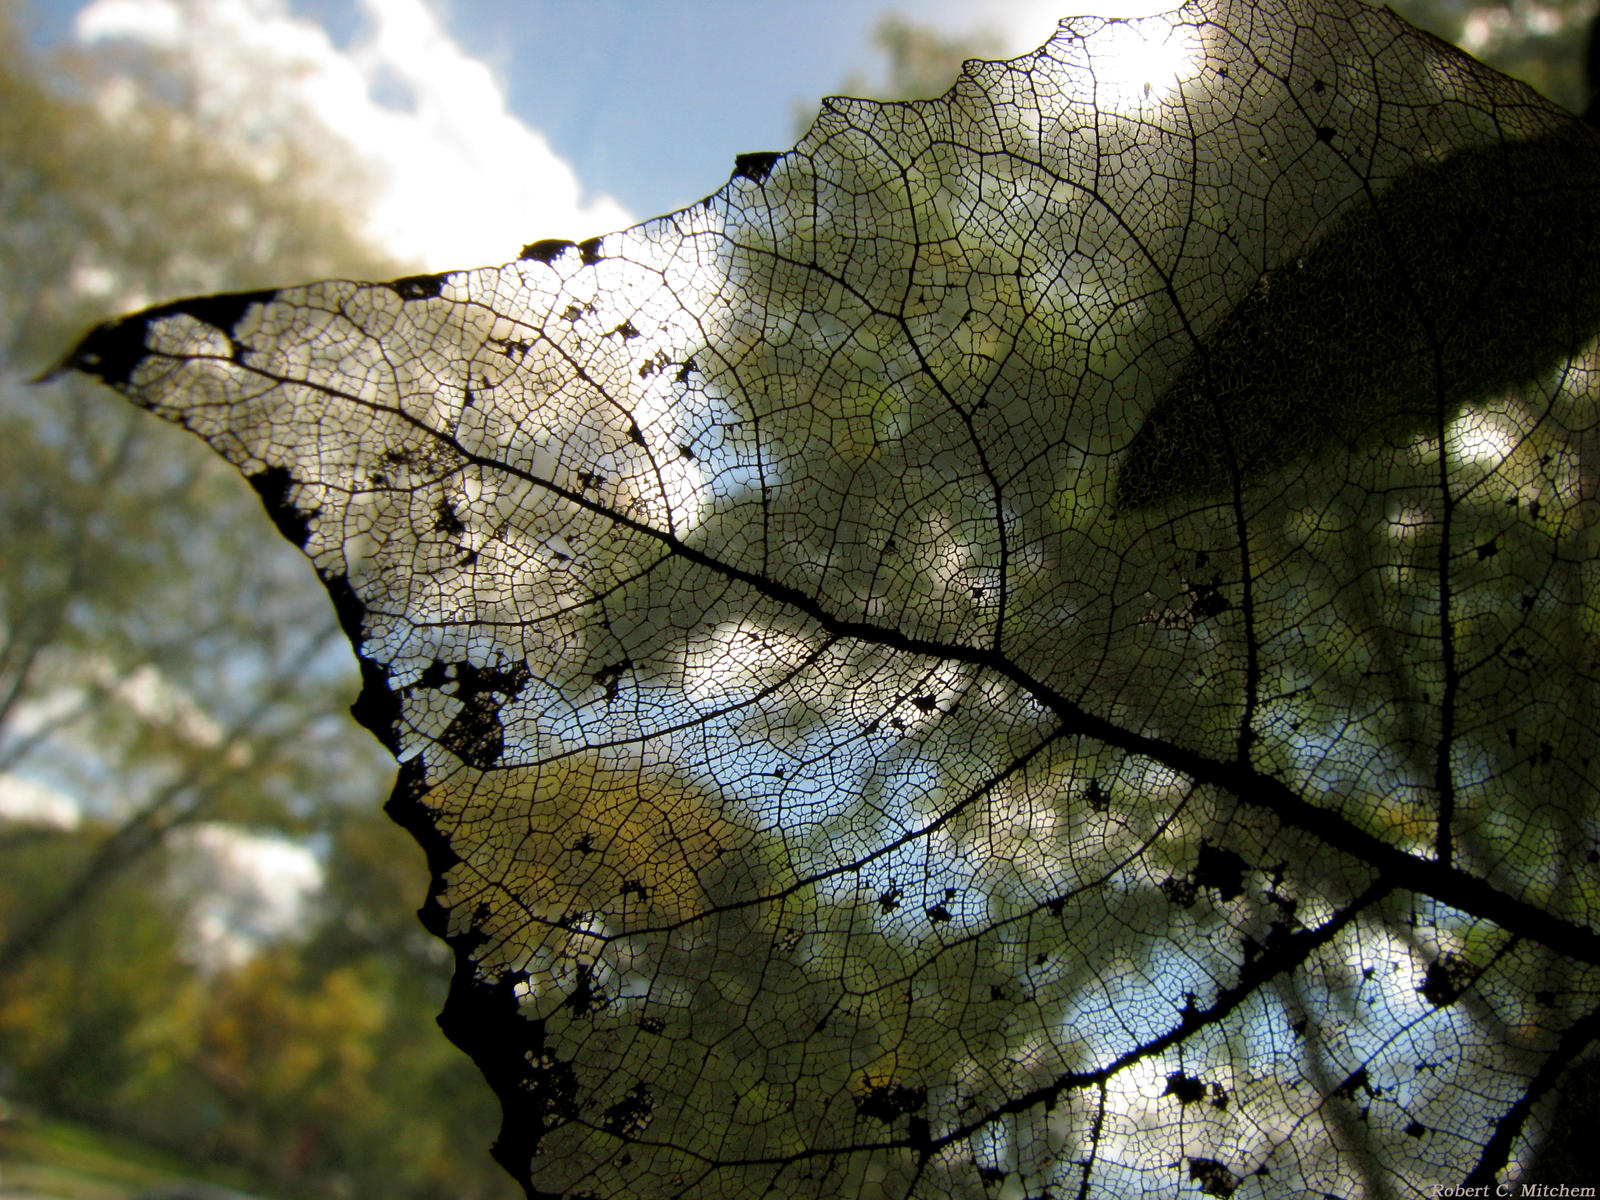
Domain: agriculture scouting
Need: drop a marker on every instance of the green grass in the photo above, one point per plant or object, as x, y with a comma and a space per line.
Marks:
46, 1158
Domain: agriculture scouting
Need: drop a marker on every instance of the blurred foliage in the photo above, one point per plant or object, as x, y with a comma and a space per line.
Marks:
156, 677
1537, 41
921, 61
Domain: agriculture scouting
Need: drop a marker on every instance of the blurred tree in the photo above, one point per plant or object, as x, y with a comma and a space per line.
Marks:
131, 677
921, 61
1537, 41
152, 676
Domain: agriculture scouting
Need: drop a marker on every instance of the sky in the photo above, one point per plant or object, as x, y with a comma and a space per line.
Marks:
499, 122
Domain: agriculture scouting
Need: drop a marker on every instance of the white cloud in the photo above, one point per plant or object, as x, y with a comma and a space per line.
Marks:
456, 178
28, 802
241, 890
154, 697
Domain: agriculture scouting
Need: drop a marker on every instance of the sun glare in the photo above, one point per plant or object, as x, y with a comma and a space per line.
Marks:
1139, 62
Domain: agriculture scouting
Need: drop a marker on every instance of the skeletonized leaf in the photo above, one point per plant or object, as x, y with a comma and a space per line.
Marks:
1041, 642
